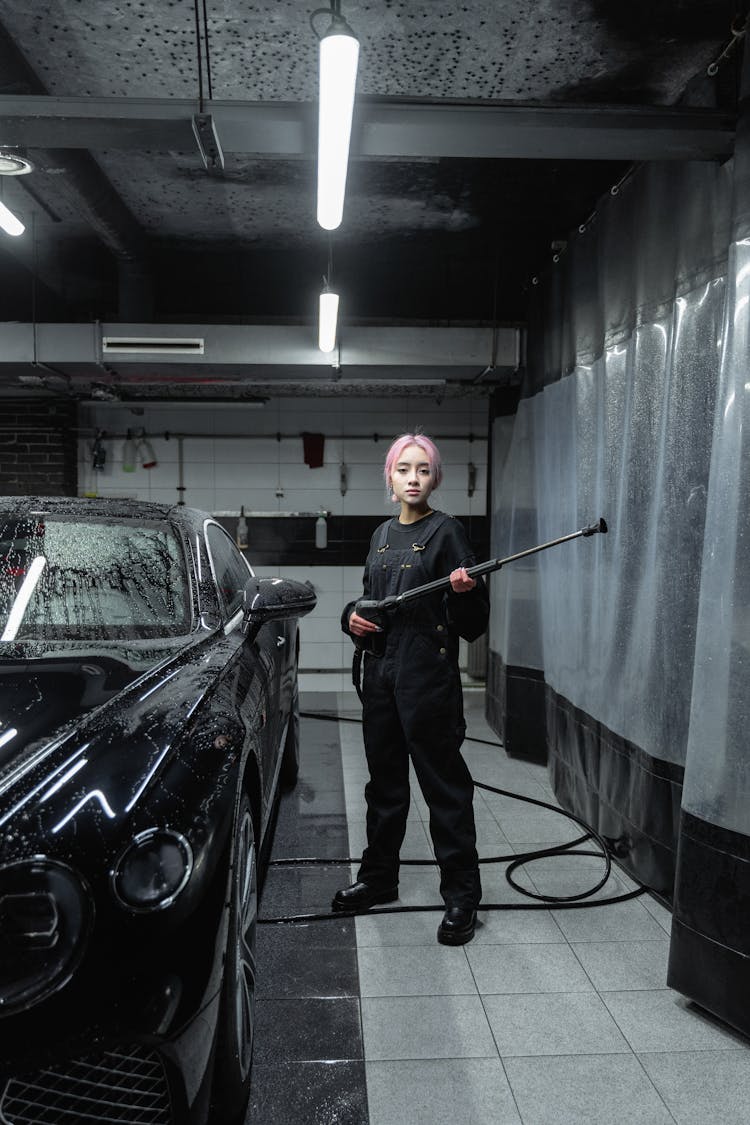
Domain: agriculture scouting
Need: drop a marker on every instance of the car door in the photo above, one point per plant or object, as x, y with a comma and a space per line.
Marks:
260, 657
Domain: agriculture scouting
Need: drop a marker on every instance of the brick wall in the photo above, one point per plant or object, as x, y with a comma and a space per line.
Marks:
38, 447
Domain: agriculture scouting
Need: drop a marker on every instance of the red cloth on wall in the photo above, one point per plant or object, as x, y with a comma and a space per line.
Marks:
313, 445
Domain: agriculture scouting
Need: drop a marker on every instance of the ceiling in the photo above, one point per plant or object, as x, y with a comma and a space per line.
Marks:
484, 133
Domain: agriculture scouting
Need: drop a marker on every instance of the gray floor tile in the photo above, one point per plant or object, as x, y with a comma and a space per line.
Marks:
665, 1021
662, 915
537, 845
496, 888
626, 966
492, 766
537, 824
491, 840
526, 968
426, 1027
420, 886
414, 970
574, 875
621, 921
486, 742
703, 1087
585, 1090
516, 927
500, 805
354, 789
356, 809
419, 805
430, 1092
570, 1023
536, 770
395, 930
416, 843
495, 848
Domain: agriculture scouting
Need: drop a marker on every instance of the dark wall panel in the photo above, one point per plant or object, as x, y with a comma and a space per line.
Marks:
290, 541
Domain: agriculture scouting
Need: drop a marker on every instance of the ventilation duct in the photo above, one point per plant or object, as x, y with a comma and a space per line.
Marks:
152, 345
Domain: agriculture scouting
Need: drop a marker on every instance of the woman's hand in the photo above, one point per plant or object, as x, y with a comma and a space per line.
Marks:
461, 581
360, 626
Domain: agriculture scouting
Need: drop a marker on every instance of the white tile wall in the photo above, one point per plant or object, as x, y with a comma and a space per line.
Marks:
236, 460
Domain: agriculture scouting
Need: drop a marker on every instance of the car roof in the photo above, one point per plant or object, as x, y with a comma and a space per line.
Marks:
81, 506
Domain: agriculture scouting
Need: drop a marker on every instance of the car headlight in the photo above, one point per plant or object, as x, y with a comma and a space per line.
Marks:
45, 915
153, 870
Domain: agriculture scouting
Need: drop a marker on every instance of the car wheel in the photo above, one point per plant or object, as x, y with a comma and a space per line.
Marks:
237, 1016
290, 760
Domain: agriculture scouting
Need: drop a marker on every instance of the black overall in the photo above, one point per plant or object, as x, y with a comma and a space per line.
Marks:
413, 708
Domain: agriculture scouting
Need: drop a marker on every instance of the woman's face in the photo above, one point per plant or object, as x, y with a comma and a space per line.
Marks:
411, 478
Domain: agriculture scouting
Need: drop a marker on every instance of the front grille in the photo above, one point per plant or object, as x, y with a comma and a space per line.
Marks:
128, 1087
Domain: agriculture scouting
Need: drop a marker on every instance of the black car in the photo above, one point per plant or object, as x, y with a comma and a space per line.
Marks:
149, 715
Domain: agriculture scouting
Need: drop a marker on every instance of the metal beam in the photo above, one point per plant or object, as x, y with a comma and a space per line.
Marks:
383, 127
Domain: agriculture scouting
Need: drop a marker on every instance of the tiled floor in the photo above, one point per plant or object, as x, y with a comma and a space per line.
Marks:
549, 1017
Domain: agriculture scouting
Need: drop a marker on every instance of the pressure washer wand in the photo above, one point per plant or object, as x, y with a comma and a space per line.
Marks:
395, 600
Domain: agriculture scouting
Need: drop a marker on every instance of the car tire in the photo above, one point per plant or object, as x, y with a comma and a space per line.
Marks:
231, 1086
289, 771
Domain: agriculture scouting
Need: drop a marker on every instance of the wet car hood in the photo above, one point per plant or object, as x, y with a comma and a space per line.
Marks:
47, 687
93, 729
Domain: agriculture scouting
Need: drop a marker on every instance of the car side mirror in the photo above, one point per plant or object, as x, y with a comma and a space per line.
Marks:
272, 599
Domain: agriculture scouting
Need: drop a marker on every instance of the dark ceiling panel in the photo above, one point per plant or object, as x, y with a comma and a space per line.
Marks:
132, 227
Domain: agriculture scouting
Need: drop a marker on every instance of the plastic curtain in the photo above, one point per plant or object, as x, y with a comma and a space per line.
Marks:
717, 782
617, 421
636, 407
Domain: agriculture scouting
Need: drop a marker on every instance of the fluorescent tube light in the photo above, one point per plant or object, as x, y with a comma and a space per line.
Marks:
329, 314
339, 55
9, 222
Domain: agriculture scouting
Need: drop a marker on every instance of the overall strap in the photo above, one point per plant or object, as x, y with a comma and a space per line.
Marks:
421, 541
382, 540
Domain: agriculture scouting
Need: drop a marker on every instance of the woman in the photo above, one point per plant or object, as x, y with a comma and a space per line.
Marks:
412, 701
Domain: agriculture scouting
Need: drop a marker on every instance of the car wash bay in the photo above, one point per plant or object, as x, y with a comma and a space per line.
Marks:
616, 679
614, 683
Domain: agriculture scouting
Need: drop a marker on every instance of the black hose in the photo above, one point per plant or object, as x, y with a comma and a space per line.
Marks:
544, 902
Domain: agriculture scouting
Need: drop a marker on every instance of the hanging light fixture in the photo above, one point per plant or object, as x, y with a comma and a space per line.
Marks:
339, 56
328, 319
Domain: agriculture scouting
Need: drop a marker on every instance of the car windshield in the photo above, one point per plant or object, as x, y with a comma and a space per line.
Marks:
90, 579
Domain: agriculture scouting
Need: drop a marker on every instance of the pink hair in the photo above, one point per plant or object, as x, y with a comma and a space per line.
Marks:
401, 443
